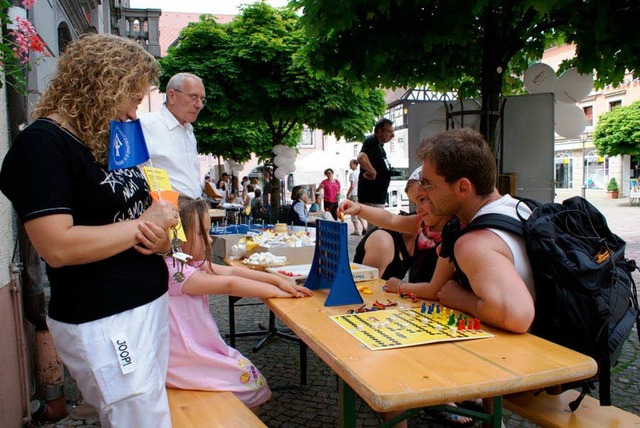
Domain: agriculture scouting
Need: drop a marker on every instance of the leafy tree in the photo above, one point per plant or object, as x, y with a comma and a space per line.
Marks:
259, 87
618, 131
475, 47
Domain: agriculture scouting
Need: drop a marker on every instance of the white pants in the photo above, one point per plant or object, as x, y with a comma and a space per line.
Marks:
120, 364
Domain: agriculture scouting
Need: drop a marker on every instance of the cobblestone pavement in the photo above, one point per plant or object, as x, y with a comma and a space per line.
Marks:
316, 404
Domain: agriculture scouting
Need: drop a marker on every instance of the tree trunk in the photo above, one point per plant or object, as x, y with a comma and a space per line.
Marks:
496, 50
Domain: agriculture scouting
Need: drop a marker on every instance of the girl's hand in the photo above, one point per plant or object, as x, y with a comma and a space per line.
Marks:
349, 207
152, 239
391, 286
293, 289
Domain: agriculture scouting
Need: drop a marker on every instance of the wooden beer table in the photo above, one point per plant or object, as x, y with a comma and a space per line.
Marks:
418, 376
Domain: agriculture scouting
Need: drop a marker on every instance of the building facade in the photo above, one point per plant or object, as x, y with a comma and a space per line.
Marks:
578, 165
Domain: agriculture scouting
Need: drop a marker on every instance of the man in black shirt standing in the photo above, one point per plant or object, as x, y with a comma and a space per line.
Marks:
375, 171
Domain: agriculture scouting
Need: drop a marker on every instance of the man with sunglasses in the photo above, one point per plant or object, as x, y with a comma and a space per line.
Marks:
459, 176
169, 134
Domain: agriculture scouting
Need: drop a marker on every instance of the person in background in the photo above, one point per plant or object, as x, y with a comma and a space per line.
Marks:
169, 134
254, 182
246, 203
248, 197
98, 230
258, 211
352, 195
375, 171
298, 213
236, 189
199, 358
244, 183
314, 208
331, 190
210, 193
319, 200
267, 176
223, 184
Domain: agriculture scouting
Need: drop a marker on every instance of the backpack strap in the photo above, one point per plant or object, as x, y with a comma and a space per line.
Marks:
496, 221
452, 232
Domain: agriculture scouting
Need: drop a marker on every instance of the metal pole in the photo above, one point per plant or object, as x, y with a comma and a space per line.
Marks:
583, 188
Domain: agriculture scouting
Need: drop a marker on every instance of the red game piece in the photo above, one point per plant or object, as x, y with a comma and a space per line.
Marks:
476, 324
461, 326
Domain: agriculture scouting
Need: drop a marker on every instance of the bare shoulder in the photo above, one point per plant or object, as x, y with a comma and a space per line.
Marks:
380, 239
481, 243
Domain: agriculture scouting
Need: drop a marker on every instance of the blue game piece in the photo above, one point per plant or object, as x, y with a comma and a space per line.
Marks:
423, 309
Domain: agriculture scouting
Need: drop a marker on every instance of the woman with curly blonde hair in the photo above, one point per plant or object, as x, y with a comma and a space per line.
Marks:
98, 231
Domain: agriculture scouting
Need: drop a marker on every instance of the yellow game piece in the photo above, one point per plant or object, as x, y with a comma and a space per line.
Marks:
367, 290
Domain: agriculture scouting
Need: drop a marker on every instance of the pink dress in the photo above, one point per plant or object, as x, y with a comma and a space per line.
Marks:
198, 356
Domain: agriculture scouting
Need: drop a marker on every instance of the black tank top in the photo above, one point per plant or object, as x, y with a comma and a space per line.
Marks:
424, 263
401, 262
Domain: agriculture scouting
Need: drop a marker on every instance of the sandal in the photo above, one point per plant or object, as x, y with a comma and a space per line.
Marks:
475, 405
450, 419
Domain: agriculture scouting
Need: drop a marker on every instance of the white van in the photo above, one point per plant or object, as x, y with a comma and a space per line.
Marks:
397, 199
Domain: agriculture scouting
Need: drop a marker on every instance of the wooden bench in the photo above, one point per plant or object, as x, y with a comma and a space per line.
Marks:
553, 411
209, 409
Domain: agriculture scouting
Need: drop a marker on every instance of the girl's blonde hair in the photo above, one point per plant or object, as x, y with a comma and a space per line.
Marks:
190, 210
96, 75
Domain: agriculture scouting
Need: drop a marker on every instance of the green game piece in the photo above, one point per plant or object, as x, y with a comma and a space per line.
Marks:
452, 319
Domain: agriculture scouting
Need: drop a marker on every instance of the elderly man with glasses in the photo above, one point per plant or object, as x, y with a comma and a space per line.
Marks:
169, 134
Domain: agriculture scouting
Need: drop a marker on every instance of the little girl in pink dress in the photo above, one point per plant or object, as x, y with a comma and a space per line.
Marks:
199, 358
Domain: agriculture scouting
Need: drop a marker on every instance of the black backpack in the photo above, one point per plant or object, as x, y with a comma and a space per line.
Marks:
586, 297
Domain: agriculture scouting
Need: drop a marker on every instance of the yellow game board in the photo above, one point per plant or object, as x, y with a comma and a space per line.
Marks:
387, 329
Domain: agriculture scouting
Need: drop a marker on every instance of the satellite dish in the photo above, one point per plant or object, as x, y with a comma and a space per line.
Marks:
539, 78
570, 120
571, 86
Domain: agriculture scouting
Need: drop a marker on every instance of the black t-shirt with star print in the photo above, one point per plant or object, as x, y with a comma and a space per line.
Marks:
49, 171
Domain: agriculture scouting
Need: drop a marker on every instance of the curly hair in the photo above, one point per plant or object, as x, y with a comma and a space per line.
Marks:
96, 75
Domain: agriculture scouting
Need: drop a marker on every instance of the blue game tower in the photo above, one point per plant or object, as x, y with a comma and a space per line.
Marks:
330, 267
